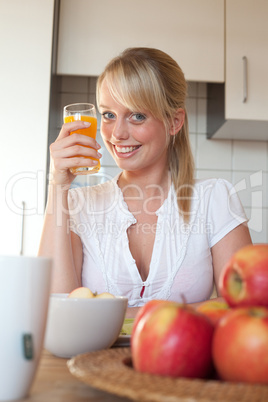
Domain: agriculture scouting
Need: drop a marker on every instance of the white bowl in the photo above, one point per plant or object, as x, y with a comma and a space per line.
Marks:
76, 326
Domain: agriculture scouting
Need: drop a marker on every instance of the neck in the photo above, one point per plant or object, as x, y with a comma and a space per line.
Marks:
150, 184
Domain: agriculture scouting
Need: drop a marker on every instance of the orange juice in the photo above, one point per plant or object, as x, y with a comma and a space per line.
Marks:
90, 131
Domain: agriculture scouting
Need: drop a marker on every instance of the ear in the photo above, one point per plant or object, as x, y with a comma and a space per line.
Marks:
177, 121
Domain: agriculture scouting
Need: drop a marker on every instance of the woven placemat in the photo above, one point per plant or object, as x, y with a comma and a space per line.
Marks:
111, 371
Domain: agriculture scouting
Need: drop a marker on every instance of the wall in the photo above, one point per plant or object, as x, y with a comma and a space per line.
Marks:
25, 49
243, 163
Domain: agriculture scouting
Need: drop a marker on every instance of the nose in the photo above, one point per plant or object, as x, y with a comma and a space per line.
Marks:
120, 130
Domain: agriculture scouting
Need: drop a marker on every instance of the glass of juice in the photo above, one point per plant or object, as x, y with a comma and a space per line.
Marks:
84, 112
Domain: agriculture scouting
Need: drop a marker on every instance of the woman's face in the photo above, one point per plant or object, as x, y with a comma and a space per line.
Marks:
135, 139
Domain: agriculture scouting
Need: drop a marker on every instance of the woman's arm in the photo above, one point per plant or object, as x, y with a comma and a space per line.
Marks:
226, 247
57, 241
223, 251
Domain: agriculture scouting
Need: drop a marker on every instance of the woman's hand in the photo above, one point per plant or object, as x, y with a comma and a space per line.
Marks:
64, 151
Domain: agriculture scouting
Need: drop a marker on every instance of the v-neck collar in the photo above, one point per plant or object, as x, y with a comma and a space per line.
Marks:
127, 219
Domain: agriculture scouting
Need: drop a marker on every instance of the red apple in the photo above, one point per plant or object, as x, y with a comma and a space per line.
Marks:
214, 310
173, 340
244, 280
240, 345
146, 309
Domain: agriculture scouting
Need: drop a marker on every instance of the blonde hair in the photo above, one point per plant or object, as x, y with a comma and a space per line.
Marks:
149, 79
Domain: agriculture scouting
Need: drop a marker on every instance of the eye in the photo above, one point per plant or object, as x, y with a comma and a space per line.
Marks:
138, 117
108, 115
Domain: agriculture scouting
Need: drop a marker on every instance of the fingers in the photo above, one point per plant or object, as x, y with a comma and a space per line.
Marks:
64, 164
74, 151
63, 160
67, 128
71, 151
65, 140
75, 143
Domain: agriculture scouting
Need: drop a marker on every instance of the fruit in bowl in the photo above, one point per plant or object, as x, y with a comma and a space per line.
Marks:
172, 339
85, 293
244, 279
78, 325
81, 293
214, 310
240, 345
145, 310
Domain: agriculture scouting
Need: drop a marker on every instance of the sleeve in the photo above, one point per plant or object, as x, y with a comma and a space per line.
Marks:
225, 211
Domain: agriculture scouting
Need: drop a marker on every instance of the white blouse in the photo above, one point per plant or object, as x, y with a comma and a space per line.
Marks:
181, 263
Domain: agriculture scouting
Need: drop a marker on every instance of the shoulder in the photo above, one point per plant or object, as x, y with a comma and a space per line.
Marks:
222, 200
97, 190
213, 183
217, 195
213, 188
96, 196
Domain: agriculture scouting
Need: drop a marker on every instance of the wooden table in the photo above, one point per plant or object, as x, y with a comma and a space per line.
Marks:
54, 383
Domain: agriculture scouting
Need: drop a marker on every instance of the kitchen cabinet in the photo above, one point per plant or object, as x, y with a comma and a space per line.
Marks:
238, 109
26, 29
192, 32
246, 88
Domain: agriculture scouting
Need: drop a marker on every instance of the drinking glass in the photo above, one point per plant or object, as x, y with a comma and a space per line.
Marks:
83, 112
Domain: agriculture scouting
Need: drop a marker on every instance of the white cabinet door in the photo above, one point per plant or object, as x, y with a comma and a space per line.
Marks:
25, 47
92, 32
247, 59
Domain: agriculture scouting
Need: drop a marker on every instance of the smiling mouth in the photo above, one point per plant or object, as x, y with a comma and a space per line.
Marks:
125, 150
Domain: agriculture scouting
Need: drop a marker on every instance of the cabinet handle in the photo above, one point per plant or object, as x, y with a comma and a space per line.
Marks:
22, 228
245, 79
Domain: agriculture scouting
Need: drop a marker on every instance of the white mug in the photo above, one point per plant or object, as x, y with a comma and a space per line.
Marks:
24, 297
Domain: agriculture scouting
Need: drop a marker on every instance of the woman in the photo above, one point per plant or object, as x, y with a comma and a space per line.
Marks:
152, 232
